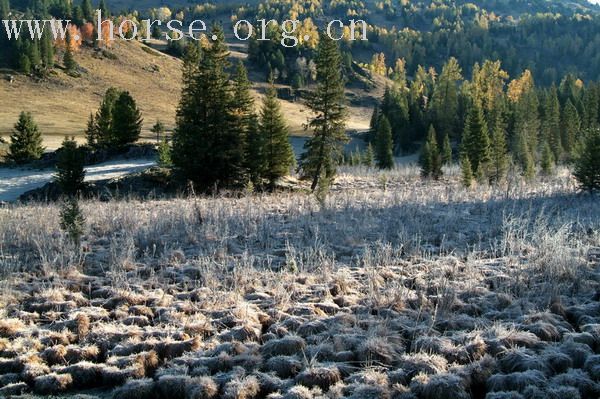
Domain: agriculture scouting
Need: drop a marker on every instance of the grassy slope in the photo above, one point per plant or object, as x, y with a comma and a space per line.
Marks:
62, 104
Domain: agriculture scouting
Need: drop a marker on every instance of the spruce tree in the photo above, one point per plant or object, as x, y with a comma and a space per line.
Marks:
104, 9
498, 153
72, 221
68, 60
70, 174
431, 159
466, 171
547, 160
244, 116
446, 151
570, 128
104, 118
368, 158
47, 50
384, 153
158, 129
165, 159
373, 124
551, 123
277, 150
324, 148
524, 156
126, 121
26, 140
91, 132
205, 144
255, 159
475, 142
87, 10
587, 163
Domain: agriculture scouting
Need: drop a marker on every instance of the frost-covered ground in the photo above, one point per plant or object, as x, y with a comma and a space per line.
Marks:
16, 181
392, 288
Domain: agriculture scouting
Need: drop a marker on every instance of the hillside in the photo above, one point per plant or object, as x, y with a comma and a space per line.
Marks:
62, 104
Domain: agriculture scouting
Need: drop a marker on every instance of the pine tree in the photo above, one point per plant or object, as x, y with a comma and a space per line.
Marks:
255, 159
244, 115
72, 220
446, 151
47, 50
498, 153
158, 129
104, 118
126, 121
70, 174
165, 159
431, 159
373, 124
368, 158
587, 163
91, 132
68, 60
324, 148
104, 9
547, 161
277, 150
26, 140
570, 128
476, 143
524, 157
384, 153
551, 123
466, 171
87, 10
205, 145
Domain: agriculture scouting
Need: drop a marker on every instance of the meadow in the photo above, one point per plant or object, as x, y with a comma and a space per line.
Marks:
391, 287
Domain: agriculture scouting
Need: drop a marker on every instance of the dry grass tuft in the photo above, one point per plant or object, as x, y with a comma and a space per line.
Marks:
322, 377
52, 383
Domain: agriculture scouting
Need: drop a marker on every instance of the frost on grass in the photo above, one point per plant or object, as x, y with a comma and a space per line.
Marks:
422, 290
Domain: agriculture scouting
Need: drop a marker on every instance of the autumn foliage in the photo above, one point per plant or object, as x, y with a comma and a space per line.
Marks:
76, 39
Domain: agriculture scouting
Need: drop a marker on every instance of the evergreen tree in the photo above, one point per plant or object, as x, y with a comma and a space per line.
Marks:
244, 115
91, 132
551, 123
165, 159
26, 140
524, 157
547, 161
384, 153
70, 174
104, 9
373, 124
476, 143
255, 159
158, 129
324, 148
466, 171
446, 151
587, 163
6, 46
395, 108
47, 50
431, 159
205, 145
126, 121
498, 153
570, 128
368, 158
68, 60
277, 150
104, 118
87, 10
72, 220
